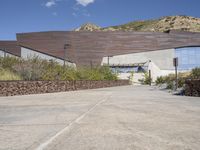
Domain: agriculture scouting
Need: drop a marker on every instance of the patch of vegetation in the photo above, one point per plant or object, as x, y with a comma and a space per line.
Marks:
31, 69
170, 80
160, 80
8, 62
8, 75
136, 26
39, 69
147, 80
131, 78
139, 25
195, 73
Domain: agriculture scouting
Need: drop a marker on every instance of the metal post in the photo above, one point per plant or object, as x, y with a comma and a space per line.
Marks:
176, 72
150, 77
175, 62
150, 72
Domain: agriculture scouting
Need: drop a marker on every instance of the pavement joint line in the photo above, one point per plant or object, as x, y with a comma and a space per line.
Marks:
2, 125
44, 145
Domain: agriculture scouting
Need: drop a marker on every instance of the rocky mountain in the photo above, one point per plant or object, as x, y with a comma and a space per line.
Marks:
164, 24
88, 27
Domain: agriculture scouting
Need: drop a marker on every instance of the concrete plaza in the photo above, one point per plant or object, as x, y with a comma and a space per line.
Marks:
119, 118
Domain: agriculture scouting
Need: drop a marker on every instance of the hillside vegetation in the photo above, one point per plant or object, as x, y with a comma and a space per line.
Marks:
34, 69
183, 23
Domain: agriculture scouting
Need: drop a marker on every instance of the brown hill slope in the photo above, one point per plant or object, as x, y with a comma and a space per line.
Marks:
184, 23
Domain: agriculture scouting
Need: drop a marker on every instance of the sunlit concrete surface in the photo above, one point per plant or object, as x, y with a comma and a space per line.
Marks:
119, 118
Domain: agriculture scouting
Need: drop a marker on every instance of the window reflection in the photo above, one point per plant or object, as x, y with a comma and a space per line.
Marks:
189, 57
129, 69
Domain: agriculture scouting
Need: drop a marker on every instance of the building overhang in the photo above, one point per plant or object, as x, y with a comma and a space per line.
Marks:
10, 47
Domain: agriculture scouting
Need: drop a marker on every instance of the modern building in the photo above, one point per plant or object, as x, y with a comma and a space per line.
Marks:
124, 52
9, 48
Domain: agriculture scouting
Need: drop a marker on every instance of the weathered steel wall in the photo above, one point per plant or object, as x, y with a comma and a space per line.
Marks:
86, 48
10, 47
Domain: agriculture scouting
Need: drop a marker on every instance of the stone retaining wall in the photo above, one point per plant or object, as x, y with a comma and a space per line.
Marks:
192, 87
11, 88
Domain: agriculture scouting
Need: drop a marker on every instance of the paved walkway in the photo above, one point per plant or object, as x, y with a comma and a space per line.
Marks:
120, 118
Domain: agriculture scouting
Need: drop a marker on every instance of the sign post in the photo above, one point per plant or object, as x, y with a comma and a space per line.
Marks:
150, 80
150, 77
175, 62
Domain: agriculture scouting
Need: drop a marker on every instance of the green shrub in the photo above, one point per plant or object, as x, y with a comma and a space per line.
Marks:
57, 72
31, 69
195, 73
69, 74
147, 80
171, 78
160, 80
170, 85
107, 73
38, 69
6, 75
98, 73
8, 62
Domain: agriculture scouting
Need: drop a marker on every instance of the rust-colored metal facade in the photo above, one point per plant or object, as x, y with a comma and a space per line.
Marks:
86, 48
10, 47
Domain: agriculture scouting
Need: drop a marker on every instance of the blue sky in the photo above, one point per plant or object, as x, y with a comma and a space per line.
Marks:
18, 16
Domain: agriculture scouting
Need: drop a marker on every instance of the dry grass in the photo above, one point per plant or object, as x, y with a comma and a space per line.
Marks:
8, 75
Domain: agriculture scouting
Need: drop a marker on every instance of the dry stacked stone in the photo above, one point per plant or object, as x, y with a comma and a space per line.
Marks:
192, 87
11, 88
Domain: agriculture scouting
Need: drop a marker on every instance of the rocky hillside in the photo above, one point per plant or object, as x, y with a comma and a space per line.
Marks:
184, 23
88, 27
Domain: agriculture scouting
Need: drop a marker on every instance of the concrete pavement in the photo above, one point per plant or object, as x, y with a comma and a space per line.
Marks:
119, 118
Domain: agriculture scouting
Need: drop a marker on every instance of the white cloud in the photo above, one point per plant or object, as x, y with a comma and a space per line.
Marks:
80, 11
50, 3
85, 2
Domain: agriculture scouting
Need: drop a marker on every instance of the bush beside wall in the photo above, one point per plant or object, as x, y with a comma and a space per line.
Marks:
35, 68
11, 88
192, 87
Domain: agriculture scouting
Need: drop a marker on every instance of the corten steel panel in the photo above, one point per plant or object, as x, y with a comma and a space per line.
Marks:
88, 48
11, 47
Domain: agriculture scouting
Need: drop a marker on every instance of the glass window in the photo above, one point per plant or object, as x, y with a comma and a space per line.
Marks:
128, 69
189, 57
